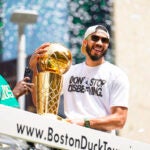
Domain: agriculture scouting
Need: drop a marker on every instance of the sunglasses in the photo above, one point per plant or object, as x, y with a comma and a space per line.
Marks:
96, 38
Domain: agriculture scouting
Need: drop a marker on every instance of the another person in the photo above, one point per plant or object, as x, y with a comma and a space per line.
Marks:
95, 91
8, 96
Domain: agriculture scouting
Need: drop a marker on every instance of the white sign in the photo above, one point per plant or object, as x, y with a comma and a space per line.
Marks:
60, 134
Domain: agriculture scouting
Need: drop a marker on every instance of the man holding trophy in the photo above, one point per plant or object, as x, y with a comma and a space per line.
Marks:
95, 91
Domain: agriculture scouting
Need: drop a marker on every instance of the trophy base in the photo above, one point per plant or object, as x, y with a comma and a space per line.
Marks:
52, 116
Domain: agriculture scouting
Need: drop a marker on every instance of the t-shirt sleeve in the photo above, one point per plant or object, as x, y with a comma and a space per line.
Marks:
6, 95
119, 92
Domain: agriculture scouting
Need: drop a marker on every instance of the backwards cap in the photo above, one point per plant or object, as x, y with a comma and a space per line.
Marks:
91, 30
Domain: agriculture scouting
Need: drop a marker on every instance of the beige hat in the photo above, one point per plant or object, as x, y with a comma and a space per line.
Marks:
91, 30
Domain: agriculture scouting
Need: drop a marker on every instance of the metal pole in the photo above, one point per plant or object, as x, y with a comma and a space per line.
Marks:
22, 18
21, 61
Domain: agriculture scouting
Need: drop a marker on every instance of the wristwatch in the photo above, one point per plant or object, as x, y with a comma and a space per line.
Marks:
87, 123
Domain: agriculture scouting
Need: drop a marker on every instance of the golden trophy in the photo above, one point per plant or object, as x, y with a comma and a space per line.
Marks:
55, 62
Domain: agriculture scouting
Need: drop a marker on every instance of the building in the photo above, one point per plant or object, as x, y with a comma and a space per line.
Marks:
132, 51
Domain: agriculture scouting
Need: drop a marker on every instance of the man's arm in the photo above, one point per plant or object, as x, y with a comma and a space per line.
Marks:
116, 120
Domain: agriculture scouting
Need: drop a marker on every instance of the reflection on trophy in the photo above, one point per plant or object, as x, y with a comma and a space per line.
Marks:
51, 66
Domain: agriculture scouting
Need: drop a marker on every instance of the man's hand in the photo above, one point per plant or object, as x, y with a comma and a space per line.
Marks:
22, 87
39, 52
79, 122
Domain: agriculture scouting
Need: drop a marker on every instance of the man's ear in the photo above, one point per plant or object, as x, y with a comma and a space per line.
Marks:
84, 43
107, 46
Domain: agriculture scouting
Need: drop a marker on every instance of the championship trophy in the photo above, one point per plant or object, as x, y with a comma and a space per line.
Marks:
51, 66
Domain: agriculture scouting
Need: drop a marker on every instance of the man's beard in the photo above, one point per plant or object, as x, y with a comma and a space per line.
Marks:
94, 57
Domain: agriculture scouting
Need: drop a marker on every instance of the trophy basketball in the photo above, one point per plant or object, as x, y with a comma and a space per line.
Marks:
55, 62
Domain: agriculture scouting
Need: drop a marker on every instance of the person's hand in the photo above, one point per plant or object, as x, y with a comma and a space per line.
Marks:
79, 122
39, 52
22, 87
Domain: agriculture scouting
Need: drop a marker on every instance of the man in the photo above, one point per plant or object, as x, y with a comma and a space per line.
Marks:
8, 96
95, 91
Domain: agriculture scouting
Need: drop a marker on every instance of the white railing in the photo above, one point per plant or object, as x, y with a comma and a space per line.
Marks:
35, 128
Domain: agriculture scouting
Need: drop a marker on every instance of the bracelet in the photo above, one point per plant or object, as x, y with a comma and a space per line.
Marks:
87, 123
